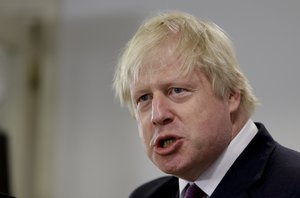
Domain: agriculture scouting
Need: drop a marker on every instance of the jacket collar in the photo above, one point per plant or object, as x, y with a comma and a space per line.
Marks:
249, 166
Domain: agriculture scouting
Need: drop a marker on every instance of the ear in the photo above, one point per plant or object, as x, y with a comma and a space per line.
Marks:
234, 100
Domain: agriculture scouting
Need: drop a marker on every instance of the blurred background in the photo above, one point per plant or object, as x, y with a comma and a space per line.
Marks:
63, 133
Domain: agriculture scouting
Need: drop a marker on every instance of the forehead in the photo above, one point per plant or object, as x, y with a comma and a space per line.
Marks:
161, 58
165, 62
167, 74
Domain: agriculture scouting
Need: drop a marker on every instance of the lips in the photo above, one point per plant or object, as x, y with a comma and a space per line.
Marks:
167, 144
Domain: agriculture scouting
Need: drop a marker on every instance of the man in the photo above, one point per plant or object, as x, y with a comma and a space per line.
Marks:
182, 83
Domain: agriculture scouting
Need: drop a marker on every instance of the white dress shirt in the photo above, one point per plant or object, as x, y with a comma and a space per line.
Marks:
210, 179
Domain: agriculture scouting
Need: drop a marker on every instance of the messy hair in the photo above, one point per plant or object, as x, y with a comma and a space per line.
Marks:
200, 44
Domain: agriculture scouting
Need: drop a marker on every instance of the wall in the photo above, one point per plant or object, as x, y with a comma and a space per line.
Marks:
96, 141
27, 29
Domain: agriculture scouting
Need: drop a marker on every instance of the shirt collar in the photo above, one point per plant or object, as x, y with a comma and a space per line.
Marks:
210, 179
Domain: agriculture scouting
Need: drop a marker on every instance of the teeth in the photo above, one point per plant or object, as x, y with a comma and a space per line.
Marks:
168, 143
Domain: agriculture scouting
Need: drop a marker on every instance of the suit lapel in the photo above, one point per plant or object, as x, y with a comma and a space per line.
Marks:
174, 188
169, 188
248, 168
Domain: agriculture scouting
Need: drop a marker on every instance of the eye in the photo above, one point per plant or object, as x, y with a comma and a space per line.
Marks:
176, 90
143, 98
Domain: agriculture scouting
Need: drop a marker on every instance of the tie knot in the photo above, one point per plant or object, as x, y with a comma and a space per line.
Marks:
193, 191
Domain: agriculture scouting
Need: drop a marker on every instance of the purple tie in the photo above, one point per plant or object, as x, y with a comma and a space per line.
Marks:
193, 191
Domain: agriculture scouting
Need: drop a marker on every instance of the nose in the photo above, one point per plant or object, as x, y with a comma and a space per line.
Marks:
161, 111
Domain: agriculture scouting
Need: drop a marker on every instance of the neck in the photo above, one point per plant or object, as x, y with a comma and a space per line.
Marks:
238, 120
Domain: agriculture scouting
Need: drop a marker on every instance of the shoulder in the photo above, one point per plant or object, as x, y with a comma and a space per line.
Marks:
277, 167
279, 156
286, 162
282, 175
162, 187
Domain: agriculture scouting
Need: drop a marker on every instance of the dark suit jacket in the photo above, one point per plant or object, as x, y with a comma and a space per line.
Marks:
265, 169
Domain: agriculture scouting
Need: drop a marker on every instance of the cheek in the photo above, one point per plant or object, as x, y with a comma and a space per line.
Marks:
141, 131
220, 129
212, 124
144, 134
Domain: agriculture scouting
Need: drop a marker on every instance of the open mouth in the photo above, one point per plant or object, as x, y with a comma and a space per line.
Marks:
164, 143
167, 144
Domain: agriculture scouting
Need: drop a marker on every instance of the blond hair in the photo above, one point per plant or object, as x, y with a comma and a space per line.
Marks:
200, 44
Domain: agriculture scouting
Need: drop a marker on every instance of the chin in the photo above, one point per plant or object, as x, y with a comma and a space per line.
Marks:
171, 168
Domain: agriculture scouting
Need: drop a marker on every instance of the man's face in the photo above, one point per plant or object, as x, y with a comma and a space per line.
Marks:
183, 125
